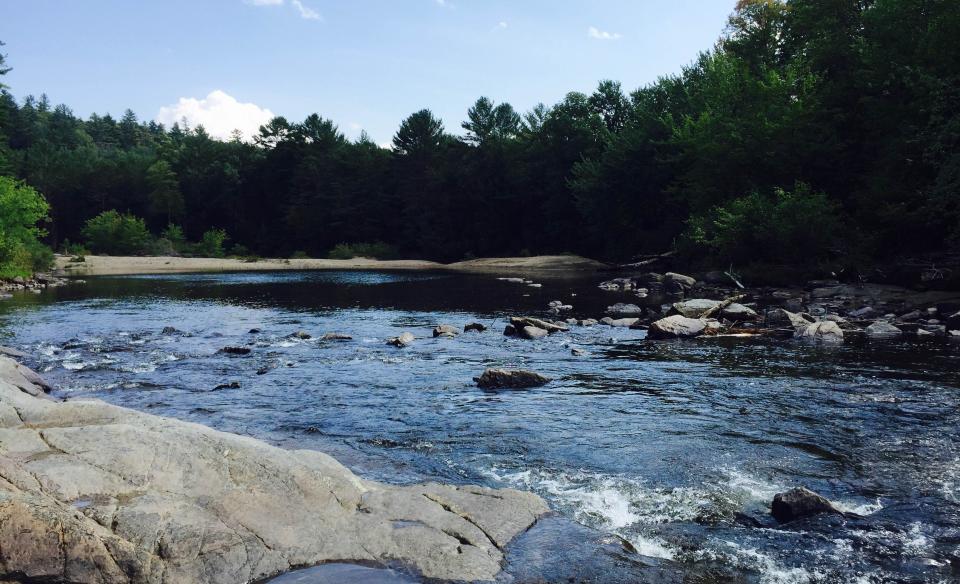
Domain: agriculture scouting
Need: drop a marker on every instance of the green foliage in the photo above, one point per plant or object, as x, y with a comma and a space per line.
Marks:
858, 100
376, 250
798, 227
211, 245
299, 255
21, 210
174, 235
112, 233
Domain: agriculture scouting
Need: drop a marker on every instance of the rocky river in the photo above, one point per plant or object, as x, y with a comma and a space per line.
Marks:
659, 458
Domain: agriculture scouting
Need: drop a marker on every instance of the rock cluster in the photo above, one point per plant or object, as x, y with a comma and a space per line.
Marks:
93, 493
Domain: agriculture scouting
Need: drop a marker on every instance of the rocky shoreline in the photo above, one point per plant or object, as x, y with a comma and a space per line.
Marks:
94, 493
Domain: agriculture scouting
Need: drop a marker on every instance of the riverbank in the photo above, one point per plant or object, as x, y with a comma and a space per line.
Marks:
91, 492
117, 265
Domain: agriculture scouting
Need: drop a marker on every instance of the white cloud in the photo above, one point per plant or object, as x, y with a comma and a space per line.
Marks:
595, 33
501, 25
219, 113
306, 13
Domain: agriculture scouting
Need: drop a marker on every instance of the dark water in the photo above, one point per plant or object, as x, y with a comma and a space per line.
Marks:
677, 447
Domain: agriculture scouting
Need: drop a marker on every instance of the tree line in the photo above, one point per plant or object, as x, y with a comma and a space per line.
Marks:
814, 132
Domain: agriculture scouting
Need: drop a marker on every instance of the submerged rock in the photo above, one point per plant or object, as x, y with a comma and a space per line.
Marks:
130, 497
404, 340
475, 326
336, 337
799, 503
510, 378
677, 327
521, 321
169, 330
302, 335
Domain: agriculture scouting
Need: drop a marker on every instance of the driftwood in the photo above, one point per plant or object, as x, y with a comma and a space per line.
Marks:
722, 305
646, 262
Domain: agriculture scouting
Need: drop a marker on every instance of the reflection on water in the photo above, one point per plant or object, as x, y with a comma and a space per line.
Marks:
676, 447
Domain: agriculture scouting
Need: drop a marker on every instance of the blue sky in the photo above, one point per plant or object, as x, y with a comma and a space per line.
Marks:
366, 64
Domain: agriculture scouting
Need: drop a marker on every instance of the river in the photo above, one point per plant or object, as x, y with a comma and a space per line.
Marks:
675, 447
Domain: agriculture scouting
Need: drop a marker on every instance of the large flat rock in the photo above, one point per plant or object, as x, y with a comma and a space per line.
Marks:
91, 492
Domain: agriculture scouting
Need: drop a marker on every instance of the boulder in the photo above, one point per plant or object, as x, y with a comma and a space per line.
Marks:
445, 330
302, 335
169, 330
521, 321
94, 493
404, 340
685, 282
236, 350
779, 317
695, 307
799, 503
475, 326
336, 337
882, 329
510, 379
676, 327
623, 309
861, 312
619, 322
589, 322
532, 332
12, 353
826, 331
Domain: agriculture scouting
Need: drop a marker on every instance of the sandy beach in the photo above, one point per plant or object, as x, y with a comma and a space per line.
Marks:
117, 265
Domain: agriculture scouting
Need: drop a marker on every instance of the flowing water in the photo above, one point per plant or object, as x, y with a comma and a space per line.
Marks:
661, 458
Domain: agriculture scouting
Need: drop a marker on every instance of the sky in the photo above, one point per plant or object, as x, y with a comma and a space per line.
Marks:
365, 64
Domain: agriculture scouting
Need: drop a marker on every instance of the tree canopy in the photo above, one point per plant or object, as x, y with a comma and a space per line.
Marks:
818, 130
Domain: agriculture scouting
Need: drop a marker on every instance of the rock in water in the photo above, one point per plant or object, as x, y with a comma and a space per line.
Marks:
336, 337
881, 329
799, 503
826, 331
475, 326
236, 350
533, 332
302, 335
695, 307
622, 309
677, 327
619, 322
785, 318
127, 497
510, 379
445, 330
404, 340
519, 322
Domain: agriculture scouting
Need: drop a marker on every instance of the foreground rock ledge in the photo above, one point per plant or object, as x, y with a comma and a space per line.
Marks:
95, 493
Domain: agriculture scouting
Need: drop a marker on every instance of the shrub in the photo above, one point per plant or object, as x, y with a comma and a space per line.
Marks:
796, 227
174, 235
299, 255
239, 250
21, 210
113, 233
73, 249
376, 250
211, 244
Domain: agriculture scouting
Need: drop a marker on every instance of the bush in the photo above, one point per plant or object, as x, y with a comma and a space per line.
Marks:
299, 255
73, 249
239, 250
211, 244
21, 210
376, 250
174, 235
796, 227
114, 234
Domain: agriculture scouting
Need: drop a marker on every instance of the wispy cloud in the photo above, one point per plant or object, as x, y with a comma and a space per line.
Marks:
595, 33
306, 12
219, 113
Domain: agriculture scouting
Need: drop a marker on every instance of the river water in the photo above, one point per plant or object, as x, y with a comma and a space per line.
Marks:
675, 447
